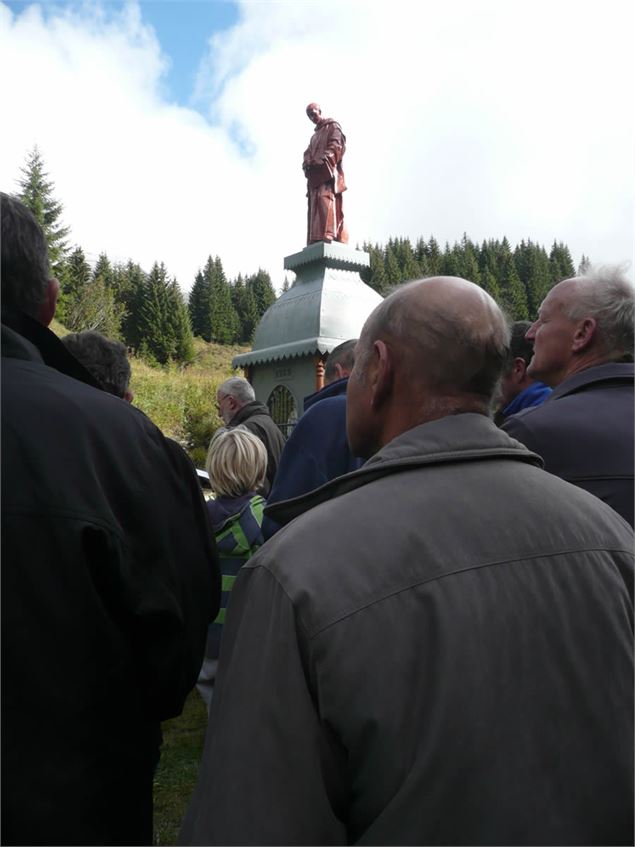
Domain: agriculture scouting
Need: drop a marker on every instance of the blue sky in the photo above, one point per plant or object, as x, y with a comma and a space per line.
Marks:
175, 130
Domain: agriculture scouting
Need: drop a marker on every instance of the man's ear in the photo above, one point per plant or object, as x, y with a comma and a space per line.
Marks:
341, 372
519, 369
382, 377
128, 396
584, 334
46, 309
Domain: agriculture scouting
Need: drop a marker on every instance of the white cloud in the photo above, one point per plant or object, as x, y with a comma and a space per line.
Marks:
493, 118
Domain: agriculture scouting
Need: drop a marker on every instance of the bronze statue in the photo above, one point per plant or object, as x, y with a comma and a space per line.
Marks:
322, 166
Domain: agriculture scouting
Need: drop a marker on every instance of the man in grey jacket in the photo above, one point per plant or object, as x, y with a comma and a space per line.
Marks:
438, 648
583, 348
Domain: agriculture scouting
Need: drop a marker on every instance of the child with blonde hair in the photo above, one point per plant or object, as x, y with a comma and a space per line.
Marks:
237, 464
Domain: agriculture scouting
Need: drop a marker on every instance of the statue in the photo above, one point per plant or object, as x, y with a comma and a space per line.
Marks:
322, 166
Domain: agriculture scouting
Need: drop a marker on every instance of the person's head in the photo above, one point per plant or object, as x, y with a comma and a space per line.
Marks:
340, 361
105, 359
514, 378
582, 322
314, 112
232, 395
24, 262
236, 462
434, 347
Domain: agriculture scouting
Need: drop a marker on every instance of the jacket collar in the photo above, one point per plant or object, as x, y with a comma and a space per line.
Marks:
610, 372
246, 411
333, 389
24, 338
456, 438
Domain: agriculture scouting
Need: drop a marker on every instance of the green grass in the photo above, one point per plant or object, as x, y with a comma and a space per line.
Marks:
176, 774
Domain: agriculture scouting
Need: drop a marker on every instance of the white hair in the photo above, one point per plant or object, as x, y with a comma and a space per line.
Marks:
606, 294
238, 388
236, 461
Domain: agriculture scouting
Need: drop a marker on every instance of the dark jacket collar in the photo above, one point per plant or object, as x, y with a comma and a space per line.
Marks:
254, 407
611, 371
24, 338
465, 437
333, 389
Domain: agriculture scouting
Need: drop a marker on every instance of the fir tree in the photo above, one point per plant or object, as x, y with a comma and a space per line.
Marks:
246, 309
585, 265
225, 326
132, 288
200, 303
36, 192
377, 276
513, 297
104, 270
96, 309
180, 322
262, 290
158, 338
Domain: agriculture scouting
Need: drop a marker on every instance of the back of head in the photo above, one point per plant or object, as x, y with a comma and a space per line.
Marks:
238, 388
236, 462
342, 355
24, 270
449, 335
605, 293
519, 346
105, 359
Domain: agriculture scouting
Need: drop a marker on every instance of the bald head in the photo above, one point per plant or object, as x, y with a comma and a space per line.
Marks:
314, 112
447, 331
444, 342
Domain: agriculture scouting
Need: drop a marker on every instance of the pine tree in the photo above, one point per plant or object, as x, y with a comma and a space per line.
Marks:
36, 192
246, 309
132, 289
513, 297
158, 338
392, 271
262, 289
200, 302
584, 266
225, 325
377, 276
180, 322
104, 270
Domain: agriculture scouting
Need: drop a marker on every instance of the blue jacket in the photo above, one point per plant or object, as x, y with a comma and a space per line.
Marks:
316, 451
533, 395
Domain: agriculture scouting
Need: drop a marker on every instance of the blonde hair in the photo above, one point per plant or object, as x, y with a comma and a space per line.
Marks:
236, 461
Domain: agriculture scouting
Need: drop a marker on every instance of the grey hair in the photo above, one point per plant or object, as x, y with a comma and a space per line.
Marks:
606, 294
105, 359
238, 388
24, 258
236, 461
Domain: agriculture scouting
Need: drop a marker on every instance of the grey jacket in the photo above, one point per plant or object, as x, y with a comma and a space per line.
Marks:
585, 433
439, 651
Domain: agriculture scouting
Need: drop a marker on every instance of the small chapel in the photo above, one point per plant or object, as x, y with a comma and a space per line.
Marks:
327, 304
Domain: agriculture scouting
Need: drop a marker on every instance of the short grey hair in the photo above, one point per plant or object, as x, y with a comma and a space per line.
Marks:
24, 257
606, 294
236, 462
238, 388
103, 358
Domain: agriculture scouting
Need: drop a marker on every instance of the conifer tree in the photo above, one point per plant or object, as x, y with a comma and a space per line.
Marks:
513, 297
180, 323
158, 338
584, 266
246, 310
224, 317
200, 302
392, 271
131, 288
36, 192
96, 309
262, 290
104, 269
377, 277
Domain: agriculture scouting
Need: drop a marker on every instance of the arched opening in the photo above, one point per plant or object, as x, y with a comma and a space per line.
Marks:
283, 409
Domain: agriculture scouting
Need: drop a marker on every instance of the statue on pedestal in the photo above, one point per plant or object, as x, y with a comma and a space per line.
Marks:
322, 166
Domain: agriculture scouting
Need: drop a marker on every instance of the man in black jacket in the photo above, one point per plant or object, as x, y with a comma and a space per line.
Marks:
438, 649
237, 405
583, 348
109, 578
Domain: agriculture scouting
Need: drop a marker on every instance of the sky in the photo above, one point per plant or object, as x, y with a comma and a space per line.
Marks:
174, 129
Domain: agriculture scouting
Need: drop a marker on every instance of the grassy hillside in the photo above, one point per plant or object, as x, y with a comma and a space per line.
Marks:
182, 401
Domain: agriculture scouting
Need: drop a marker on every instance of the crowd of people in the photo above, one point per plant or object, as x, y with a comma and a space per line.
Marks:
411, 622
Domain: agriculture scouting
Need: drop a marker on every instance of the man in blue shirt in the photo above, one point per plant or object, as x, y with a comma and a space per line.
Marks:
518, 389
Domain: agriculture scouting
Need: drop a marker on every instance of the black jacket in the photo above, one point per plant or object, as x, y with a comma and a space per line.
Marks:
438, 650
256, 418
585, 433
109, 580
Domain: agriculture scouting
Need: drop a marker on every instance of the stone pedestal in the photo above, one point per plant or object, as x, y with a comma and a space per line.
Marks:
327, 304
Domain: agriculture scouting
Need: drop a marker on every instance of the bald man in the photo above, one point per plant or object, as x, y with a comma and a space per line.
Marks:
583, 348
438, 648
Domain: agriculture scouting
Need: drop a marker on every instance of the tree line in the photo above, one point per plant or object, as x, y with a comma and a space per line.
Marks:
148, 311
518, 279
